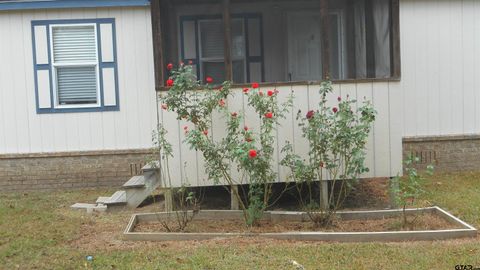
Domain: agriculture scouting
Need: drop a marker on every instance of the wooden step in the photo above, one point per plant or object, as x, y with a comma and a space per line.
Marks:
135, 182
119, 197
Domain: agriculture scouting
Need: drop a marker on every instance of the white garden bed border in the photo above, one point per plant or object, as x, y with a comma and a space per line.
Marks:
464, 230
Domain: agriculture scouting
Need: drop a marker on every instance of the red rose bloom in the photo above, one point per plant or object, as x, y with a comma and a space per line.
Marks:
234, 114
339, 99
310, 114
245, 90
170, 82
335, 110
164, 106
205, 132
255, 85
185, 127
190, 62
269, 115
245, 128
209, 79
221, 103
252, 153
170, 66
270, 93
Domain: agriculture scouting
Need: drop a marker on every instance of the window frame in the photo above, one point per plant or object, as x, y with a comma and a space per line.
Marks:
55, 66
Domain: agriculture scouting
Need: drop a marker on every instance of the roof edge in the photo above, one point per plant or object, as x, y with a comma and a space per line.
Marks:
59, 4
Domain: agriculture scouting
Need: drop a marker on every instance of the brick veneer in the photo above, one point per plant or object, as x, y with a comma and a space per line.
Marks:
447, 153
70, 170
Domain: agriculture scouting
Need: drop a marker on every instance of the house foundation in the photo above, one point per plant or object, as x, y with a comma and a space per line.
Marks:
69, 170
447, 153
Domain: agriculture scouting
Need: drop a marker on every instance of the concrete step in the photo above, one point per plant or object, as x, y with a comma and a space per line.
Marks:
118, 198
89, 207
135, 196
102, 200
135, 182
151, 166
83, 206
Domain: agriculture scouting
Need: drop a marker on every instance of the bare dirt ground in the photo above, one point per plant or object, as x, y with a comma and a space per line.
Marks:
422, 222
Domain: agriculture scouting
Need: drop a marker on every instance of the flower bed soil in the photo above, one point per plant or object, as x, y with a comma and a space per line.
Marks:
431, 223
425, 221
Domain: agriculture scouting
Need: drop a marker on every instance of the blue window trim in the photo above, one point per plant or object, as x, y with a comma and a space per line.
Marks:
101, 66
245, 17
48, 4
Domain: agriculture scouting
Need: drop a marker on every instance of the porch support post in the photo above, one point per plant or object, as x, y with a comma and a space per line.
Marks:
395, 39
325, 28
233, 199
157, 37
324, 194
168, 195
227, 26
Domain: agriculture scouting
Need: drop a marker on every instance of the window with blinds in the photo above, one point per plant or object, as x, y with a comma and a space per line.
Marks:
75, 65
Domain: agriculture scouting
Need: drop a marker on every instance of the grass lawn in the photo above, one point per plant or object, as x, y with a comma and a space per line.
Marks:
39, 231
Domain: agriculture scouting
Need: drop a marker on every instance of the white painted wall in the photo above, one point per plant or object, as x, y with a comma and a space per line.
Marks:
440, 87
22, 130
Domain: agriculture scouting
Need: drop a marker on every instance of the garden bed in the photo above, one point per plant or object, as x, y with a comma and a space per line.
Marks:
432, 223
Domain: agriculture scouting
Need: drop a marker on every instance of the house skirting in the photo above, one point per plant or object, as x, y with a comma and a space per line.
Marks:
450, 153
69, 170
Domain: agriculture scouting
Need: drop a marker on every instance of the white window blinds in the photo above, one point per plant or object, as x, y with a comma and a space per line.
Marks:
72, 44
77, 85
75, 63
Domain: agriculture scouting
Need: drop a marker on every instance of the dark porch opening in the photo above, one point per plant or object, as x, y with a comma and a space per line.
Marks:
273, 41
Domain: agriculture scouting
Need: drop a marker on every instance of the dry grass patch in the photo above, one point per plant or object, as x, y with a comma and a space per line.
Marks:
39, 231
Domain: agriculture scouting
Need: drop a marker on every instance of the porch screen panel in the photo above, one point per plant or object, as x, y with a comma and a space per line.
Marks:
365, 25
212, 49
255, 49
202, 43
189, 43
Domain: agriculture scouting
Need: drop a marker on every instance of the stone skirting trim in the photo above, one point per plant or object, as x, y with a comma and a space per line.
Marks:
439, 138
75, 154
70, 170
449, 153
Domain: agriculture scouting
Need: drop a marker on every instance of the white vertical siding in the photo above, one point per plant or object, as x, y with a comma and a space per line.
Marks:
440, 41
22, 130
384, 150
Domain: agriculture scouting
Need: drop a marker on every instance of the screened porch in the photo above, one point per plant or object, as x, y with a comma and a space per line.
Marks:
278, 42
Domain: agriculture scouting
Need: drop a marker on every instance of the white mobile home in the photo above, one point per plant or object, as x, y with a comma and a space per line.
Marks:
79, 79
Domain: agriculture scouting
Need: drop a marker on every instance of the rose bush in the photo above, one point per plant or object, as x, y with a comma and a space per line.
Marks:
250, 151
337, 137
